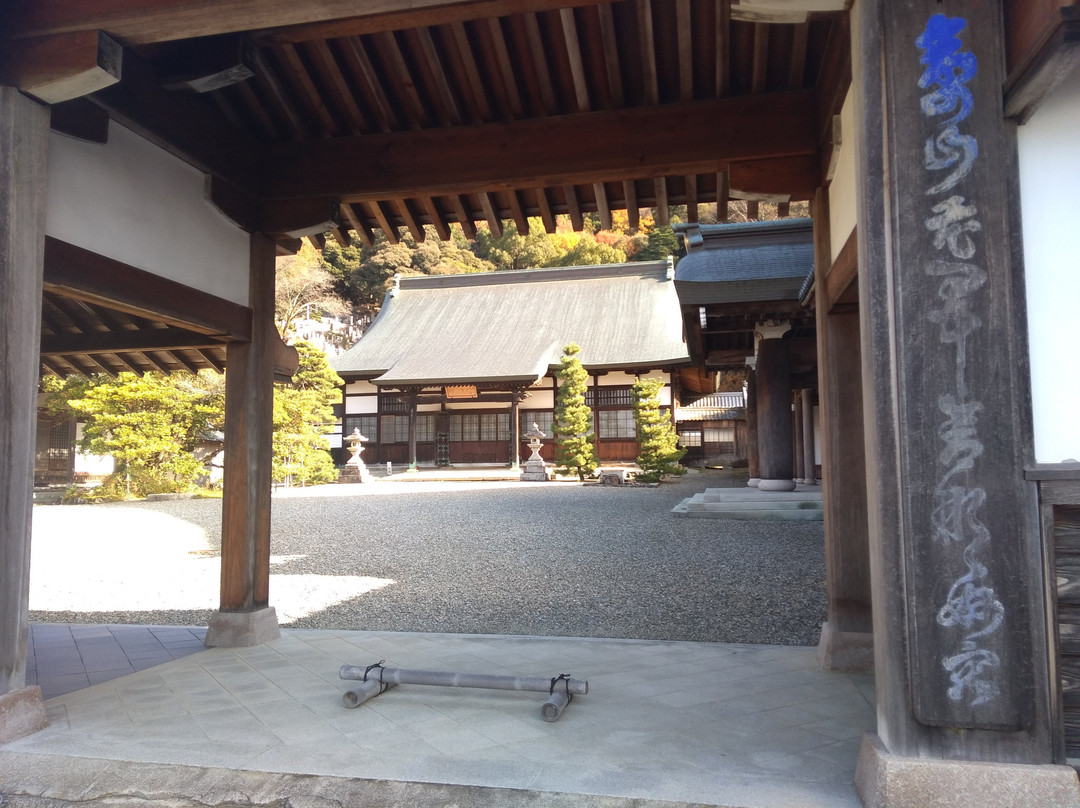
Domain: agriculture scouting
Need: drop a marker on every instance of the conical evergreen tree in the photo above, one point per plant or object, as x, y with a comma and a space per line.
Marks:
573, 424
660, 452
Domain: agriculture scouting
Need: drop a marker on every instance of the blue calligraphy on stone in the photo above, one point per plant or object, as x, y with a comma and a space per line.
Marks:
948, 67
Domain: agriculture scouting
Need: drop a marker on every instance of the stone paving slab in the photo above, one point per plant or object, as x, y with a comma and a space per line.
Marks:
695, 723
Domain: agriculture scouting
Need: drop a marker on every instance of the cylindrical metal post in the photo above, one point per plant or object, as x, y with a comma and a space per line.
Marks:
402, 676
365, 691
551, 709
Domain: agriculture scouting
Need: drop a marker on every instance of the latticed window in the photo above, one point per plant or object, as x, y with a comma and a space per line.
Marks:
723, 437
390, 402
367, 424
542, 418
425, 428
690, 437
465, 427
394, 428
616, 424
609, 397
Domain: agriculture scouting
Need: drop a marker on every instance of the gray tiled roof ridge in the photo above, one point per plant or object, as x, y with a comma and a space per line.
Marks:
535, 275
737, 229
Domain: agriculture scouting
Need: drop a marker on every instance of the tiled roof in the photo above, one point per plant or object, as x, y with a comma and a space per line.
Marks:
512, 325
755, 261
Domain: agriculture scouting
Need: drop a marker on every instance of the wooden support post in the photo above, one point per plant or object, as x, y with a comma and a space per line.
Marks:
847, 640
808, 453
246, 618
753, 462
960, 628
411, 398
775, 456
517, 394
24, 149
797, 427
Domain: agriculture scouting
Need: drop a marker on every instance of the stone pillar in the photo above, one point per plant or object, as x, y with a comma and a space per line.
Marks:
24, 150
961, 640
752, 458
808, 453
799, 446
246, 618
775, 454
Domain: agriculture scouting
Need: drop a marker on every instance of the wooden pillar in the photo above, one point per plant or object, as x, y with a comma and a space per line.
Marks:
752, 458
960, 629
246, 618
797, 426
775, 456
24, 149
411, 399
808, 452
847, 636
516, 393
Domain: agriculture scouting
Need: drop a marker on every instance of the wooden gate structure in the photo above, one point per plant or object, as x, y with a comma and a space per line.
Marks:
155, 156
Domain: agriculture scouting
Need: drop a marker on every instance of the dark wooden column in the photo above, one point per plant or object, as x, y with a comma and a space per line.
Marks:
517, 396
775, 456
752, 459
24, 149
411, 394
847, 637
809, 455
798, 425
960, 629
246, 618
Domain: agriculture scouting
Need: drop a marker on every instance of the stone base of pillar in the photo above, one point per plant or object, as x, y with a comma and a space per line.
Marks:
883, 780
22, 712
242, 629
851, 651
777, 485
753, 482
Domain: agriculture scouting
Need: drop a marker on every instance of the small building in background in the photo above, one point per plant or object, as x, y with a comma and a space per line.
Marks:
465, 364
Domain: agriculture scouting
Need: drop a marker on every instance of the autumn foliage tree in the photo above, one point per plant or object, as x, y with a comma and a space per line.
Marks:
575, 452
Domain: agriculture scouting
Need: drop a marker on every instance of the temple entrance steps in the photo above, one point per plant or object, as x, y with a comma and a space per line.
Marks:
802, 504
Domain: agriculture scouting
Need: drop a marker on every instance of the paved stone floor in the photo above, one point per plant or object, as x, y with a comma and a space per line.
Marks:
752, 726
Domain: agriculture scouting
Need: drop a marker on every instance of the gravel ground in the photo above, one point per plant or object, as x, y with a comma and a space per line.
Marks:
557, 559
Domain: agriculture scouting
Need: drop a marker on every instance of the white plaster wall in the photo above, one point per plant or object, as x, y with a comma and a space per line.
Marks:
361, 405
1049, 147
539, 399
362, 386
842, 190
465, 406
132, 201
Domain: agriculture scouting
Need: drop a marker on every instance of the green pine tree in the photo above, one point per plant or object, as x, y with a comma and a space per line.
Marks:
575, 452
660, 452
303, 415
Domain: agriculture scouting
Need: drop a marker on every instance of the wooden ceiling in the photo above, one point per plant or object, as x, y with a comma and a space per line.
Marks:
395, 115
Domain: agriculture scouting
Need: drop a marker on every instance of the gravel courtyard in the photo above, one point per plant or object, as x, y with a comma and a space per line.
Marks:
557, 559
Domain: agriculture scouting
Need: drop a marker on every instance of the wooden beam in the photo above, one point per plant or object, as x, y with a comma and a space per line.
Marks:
602, 206
1040, 57
436, 217
297, 218
573, 208
81, 120
518, 214
383, 218
723, 195
494, 223
577, 64
633, 214
411, 221
182, 124
648, 52
787, 177
363, 232
611, 54
75, 272
558, 150
663, 215
684, 31
723, 48
99, 342
141, 22
546, 213
61, 67
691, 198
464, 219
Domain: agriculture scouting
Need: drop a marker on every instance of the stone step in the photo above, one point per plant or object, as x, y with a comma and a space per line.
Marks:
736, 503
809, 493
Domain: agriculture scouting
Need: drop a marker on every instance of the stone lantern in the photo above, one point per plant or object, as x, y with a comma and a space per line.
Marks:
534, 468
355, 471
